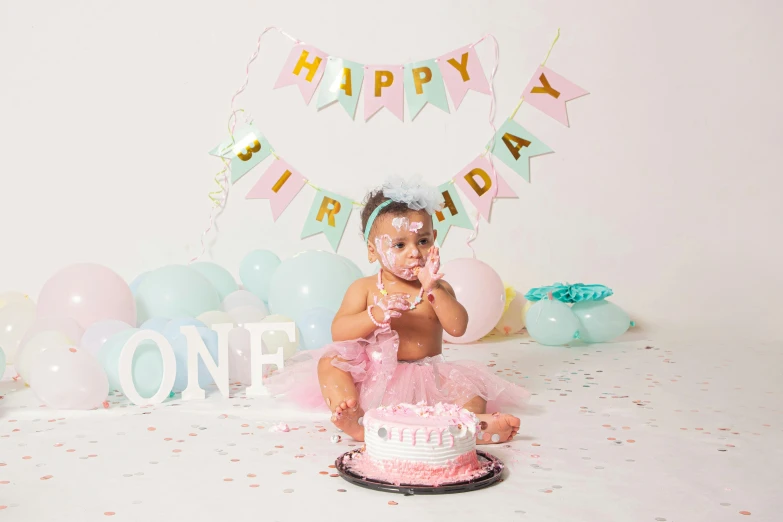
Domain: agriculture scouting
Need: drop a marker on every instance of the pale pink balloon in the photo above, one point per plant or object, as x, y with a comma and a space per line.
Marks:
67, 378
64, 325
96, 335
480, 290
87, 293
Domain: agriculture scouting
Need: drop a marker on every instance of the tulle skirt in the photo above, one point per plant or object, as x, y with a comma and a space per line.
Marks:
382, 380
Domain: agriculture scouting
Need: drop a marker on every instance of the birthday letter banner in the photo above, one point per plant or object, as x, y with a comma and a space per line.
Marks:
386, 86
421, 82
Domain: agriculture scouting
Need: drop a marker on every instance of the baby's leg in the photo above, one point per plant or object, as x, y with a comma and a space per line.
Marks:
340, 395
495, 427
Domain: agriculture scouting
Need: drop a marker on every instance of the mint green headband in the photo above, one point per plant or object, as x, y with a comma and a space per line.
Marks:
371, 220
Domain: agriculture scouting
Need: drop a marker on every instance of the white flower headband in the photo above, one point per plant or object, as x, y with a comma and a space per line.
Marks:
414, 193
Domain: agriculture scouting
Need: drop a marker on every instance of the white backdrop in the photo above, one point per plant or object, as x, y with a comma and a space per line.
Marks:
662, 189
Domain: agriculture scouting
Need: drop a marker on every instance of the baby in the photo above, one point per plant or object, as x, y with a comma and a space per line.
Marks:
388, 331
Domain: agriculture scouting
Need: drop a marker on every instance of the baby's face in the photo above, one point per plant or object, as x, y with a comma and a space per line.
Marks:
402, 242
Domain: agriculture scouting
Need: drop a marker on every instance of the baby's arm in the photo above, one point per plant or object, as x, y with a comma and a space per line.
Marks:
452, 315
351, 320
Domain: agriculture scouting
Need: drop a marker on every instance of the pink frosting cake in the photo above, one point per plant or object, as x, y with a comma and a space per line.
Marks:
419, 445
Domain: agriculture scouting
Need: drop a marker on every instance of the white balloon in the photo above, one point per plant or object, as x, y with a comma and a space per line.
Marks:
32, 350
242, 298
98, 333
15, 319
215, 317
274, 339
64, 325
7, 298
69, 379
247, 315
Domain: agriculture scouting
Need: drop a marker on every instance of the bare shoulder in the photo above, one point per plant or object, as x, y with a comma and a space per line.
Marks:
447, 287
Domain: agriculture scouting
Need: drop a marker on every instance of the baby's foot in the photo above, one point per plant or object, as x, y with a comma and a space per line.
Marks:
497, 427
346, 417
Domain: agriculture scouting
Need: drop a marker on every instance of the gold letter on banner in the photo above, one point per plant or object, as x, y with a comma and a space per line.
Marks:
470, 178
546, 89
330, 212
449, 205
346, 85
254, 146
280, 182
421, 75
312, 68
382, 79
461, 66
513, 148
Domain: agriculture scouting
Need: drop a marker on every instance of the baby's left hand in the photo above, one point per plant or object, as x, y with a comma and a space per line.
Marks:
429, 276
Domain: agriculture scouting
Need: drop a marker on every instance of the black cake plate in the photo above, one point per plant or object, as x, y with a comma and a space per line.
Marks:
491, 465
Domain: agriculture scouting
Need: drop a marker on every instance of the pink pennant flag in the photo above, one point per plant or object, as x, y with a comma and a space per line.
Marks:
481, 184
383, 87
304, 68
549, 92
461, 70
279, 184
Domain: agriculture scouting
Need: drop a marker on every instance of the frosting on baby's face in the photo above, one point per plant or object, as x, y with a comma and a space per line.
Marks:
402, 242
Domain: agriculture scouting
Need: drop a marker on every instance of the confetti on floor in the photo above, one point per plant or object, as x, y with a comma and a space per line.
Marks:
620, 431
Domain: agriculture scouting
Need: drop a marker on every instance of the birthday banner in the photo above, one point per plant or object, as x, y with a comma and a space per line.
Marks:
384, 86
387, 86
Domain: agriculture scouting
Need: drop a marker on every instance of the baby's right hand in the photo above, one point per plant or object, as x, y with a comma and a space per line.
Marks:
393, 305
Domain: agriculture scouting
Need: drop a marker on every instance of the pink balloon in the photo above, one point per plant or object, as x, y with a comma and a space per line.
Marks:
96, 335
480, 290
87, 293
64, 325
69, 379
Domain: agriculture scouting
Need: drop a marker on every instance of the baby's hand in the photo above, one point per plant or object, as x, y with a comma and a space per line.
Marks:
429, 276
393, 305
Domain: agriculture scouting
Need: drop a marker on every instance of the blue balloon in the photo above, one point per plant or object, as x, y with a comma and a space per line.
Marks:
600, 321
172, 329
311, 279
134, 286
256, 271
552, 323
155, 323
180, 346
146, 369
220, 278
175, 291
315, 326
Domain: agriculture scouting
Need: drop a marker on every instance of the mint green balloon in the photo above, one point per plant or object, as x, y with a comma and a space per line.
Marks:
311, 279
220, 278
256, 270
600, 321
175, 291
552, 323
147, 368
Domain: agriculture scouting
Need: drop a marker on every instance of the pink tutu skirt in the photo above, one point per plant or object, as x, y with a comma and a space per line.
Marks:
382, 380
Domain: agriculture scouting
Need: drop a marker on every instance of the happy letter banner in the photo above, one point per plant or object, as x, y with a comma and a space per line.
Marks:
549, 92
462, 71
328, 214
304, 68
383, 88
342, 82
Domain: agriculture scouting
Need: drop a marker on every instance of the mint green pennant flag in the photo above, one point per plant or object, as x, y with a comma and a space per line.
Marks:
453, 213
248, 148
514, 146
424, 83
328, 214
342, 82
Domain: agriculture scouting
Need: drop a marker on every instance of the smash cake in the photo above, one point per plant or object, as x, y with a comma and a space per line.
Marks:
418, 445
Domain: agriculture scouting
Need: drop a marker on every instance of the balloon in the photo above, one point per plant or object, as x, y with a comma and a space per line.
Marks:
15, 319
134, 286
275, 339
512, 319
215, 317
96, 335
33, 348
600, 321
175, 291
311, 279
256, 271
525, 308
155, 323
480, 290
220, 278
316, 328
552, 323
180, 345
65, 325
246, 315
172, 328
7, 298
69, 379
87, 293
243, 298
146, 368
